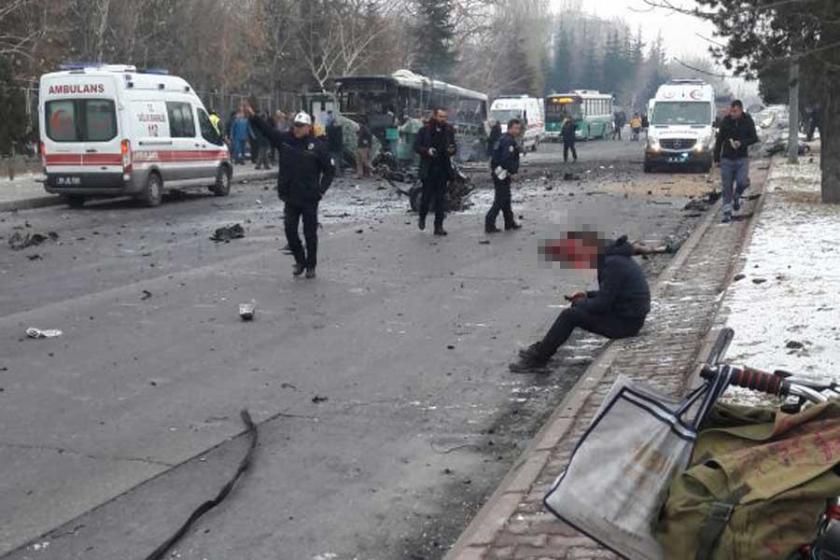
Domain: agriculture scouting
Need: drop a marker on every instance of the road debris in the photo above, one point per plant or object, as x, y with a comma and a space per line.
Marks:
226, 234
18, 241
318, 399
32, 332
161, 551
146, 295
246, 311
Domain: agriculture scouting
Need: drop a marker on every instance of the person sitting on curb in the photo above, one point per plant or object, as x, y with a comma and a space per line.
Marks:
617, 310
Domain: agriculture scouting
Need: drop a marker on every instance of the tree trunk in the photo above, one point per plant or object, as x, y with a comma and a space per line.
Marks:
830, 151
793, 126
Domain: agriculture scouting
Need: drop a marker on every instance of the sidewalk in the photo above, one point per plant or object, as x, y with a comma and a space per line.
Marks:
27, 191
686, 298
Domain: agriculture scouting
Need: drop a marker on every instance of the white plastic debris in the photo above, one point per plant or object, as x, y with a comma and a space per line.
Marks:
32, 332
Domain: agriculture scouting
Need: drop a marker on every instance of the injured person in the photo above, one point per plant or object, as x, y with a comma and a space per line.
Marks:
616, 310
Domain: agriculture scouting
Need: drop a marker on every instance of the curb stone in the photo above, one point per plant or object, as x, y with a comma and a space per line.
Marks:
476, 540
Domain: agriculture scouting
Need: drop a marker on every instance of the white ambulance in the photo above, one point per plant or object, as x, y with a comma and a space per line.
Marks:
529, 110
111, 131
682, 129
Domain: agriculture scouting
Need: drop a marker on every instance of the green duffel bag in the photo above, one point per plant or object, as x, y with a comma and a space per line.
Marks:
758, 482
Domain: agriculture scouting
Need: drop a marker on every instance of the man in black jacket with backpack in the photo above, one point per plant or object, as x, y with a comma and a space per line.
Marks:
305, 172
504, 165
616, 310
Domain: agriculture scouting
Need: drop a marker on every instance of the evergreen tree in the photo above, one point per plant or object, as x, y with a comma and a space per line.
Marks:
12, 110
434, 54
560, 74
614, 67
514, 73
592, 71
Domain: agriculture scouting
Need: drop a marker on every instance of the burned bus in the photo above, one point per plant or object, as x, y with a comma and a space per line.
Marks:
393, 108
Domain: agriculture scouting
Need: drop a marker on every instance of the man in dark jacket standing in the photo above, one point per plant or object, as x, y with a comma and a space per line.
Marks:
735, 135
504, 166
568, 134
436, 145
616, 310
305, 172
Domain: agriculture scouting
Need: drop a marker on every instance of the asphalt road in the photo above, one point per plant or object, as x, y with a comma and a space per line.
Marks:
115, 431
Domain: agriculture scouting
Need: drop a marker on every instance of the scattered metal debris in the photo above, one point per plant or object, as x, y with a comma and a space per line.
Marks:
226, 234
32, 332
19, 241
246, 311
162, 550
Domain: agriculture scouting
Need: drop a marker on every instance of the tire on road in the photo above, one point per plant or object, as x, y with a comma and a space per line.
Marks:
152, 194
222, 185
74, 201
648, 167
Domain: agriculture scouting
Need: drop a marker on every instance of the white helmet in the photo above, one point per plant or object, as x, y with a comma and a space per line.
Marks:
303, 118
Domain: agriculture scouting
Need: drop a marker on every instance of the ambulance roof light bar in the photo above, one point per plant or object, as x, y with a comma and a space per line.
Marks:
82, 66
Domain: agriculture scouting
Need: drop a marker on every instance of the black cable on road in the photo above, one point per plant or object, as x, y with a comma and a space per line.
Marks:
210, 504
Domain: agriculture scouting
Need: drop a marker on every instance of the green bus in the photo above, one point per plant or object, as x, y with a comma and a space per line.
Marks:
592, 112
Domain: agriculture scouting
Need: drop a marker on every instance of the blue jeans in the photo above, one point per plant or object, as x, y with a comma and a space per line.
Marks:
733, 172
239, 150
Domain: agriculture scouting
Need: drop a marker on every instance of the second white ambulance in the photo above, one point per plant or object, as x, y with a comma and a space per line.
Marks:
111, 131
682, 129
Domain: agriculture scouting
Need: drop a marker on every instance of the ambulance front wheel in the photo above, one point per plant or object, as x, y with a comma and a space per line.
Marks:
152, 194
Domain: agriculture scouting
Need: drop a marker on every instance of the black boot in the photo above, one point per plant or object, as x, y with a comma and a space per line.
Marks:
298, 269
440, 231
422, 223
491, 229
531, 360
512, 226
310, 272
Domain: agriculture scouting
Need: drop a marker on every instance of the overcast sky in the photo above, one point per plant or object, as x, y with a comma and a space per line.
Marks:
678, 31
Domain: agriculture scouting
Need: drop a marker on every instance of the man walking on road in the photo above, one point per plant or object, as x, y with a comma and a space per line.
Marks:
568, 134
305, 172
616, 310
735, 135
364, 141
436, 145
504, 166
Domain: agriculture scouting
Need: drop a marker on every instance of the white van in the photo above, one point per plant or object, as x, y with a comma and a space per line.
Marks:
110, 131
529, 110
681, 125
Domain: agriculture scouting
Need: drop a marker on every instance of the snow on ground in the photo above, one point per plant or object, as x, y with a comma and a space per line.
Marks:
790, 293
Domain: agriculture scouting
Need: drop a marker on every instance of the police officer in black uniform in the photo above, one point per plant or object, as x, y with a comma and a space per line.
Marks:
305, 172
436, 145
504, 166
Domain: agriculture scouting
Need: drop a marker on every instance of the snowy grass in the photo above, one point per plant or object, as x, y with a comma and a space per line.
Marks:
789, 294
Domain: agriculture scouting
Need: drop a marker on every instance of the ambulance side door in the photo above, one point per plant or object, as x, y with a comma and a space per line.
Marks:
184, 161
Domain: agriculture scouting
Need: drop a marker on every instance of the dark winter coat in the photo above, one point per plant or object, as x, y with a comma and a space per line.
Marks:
623, 289
441, 137
335, 138
742, 129
493, 139
305, 168
364, 138
568, 132
506, 155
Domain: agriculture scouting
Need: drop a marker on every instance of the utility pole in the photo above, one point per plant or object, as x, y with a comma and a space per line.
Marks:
793, 123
